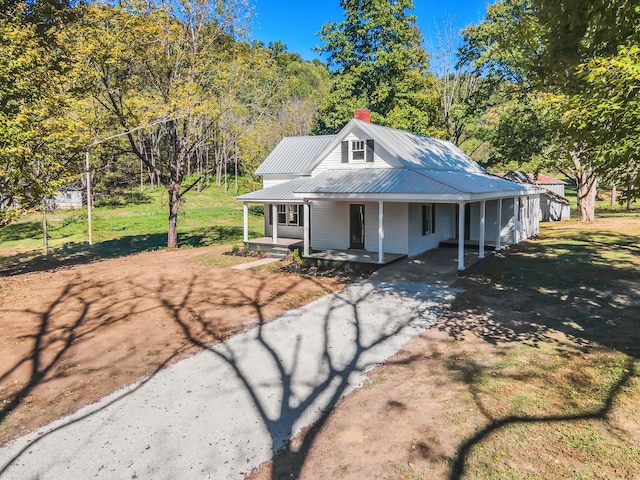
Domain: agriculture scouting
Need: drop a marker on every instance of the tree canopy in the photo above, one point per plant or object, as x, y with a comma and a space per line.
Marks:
378, 63
554, 53
39, 138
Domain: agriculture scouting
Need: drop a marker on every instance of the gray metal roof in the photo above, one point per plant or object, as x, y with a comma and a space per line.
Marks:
283, 192
383, 180
295, 155
386, 181
417, 151
472, 182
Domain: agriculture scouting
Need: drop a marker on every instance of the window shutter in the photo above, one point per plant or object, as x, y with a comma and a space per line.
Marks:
301, 215
433, 218
270, 213
369, 154
345, 152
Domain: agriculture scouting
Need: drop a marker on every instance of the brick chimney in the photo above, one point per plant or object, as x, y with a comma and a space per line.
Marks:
362, 114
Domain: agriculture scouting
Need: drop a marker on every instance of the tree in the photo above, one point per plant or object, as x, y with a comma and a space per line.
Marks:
549, 49
155, 69
379, 63
39, 139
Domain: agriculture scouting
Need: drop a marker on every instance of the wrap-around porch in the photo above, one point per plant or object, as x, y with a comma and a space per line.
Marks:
379, 256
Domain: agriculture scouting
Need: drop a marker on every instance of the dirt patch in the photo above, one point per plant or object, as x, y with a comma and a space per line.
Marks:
532, 372
73, 335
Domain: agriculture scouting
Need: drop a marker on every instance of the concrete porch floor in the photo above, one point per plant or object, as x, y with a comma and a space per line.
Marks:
437, 266
474, 244
356, 256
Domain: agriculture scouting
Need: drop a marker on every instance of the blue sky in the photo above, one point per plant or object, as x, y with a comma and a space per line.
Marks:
296, 22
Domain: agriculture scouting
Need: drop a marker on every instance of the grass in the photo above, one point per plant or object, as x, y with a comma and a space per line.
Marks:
210, 217
603, 203
555, 387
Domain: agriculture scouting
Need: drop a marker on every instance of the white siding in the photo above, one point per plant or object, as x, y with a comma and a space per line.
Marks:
557, 189
330, 225
506, 234
334, 159
395, 227
284, 231
271, 180
445, 218
491, 221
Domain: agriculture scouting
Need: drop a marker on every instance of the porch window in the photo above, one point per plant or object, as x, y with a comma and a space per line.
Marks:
288, 215
293, 215
282, 214
428, 218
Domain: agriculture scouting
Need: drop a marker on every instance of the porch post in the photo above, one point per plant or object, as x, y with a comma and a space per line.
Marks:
483, 208
306, 228
461, 236
274, 222
380, 231
245, 213
516, 220
499, 224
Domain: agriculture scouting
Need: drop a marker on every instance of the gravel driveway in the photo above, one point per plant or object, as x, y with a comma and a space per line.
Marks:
224, 411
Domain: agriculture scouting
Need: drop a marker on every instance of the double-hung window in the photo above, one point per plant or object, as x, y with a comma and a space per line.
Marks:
282, 214
288, 215
293, 215
357, 149
428, 218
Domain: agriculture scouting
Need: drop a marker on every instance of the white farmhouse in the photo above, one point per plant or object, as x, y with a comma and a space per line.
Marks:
373, 193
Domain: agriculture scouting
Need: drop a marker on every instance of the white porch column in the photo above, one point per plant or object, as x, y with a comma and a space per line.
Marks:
461, 236
245, 213
380, 231
499, 225
516, 219
306, 228
274, 224
483, 208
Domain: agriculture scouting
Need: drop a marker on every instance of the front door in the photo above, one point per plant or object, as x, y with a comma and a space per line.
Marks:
356, 222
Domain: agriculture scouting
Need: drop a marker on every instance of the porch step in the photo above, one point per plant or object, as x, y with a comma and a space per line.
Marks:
278, 252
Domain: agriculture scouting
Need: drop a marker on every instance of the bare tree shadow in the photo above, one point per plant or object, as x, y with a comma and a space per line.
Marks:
81, 253
52, 340
572, 295
495, 424
306, 390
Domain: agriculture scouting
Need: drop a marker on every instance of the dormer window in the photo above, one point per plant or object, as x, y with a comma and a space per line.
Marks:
357, 149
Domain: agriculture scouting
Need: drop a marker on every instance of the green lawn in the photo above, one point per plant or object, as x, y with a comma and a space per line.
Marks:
210, 217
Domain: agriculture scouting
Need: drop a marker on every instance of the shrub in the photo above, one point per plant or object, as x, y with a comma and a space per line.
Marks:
235, 248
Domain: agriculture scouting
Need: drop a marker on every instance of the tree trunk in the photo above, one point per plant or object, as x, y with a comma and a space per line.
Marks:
44, 227
587, 186
613, 195
174, 207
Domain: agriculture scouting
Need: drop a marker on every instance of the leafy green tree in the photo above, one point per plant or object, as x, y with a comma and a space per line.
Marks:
378, 63
39, 139
551, 49
156, 71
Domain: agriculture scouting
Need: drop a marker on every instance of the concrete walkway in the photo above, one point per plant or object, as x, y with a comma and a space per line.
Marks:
224, 411
255, 263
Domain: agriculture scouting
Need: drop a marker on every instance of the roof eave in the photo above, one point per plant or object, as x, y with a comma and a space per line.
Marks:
410, 197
